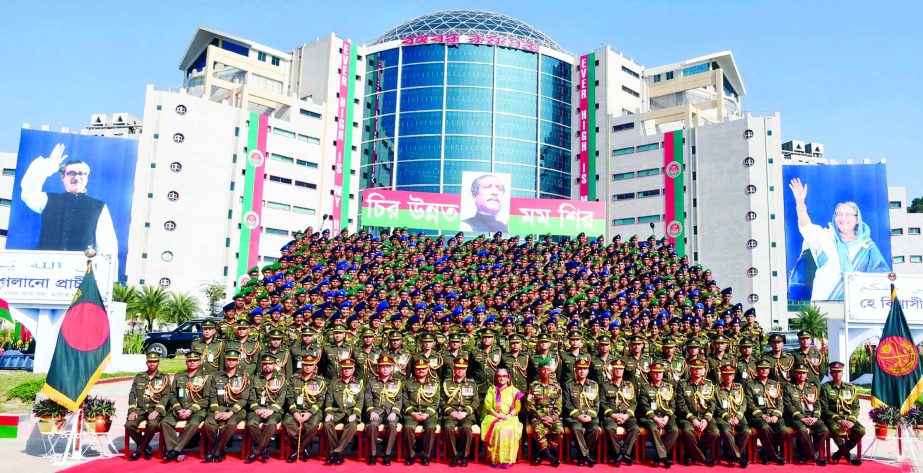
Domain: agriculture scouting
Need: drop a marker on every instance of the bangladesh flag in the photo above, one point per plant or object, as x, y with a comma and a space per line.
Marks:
82, 350
898, 374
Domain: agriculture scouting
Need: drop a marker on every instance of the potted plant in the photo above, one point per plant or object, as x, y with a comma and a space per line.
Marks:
97, 414
50, 415
886, 420
914, 419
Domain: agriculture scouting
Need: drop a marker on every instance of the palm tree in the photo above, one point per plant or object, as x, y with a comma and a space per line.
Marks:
126, 293
150, 304
180, 308
813, 320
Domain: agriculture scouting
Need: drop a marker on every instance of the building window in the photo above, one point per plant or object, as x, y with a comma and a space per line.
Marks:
172, 196
310, 114
751, 244
276, 231
650, 193
6, 202
275, 61
894, 204
165, 282
753, 298
166, 256
749, 162
303, 210
648, 147
306, 185
897, 231
624, 221
898, 259
180, 109
277, 205
169, 225
751, 216
630, 92
623, 175
913, 230
176, 167
649, 218
752, 272
621, 151
309, 139
626, 196
631, 72
286, 133
306, 164
178, 138
649, 172
693, 70
261, 56
279, 157
916, 258
656, 78
670, 75
751, 189
9, 172
624, 126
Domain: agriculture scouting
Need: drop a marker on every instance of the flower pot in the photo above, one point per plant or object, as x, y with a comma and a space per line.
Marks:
50, 425
98, 424
882, 432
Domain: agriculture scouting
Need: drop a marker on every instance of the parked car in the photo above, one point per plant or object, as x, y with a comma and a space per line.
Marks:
167, 343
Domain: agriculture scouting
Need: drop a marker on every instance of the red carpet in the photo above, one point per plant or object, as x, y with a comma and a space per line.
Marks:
121, 465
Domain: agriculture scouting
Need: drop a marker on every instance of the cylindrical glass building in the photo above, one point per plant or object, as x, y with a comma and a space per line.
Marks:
467, 90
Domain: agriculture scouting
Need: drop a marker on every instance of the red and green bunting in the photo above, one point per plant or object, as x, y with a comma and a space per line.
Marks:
674, 194
82, 349
9, 426
19, 332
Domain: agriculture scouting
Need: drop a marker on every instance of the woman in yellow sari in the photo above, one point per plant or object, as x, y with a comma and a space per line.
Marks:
501, 421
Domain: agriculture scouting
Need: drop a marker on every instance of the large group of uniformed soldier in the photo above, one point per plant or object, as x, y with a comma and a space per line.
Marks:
400, 332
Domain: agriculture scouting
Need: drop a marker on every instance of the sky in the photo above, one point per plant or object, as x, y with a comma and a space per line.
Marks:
844, 73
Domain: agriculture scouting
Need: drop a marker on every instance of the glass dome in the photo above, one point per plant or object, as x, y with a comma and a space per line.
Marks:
471, 23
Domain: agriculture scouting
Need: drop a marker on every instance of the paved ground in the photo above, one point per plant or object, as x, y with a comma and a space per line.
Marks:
26, 452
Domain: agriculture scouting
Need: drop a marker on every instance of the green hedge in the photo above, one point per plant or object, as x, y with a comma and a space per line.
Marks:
26, 392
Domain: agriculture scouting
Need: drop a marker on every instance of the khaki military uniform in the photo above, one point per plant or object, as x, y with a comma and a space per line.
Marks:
767, 399
731, 403
620, 398
804, 401
344, 399
212, 354
367, 362
815, 361
459, 397
305, 396
841, 403
147, 394
518, 366
582, 399
696, 401
424, 398
482, 367
226, 394
782, 365
188, 391
546, 400
658, 401
383, 398
249, 349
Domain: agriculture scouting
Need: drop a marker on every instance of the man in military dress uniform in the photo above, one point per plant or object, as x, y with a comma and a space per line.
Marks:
600, 364
460, 403
452, 354
398, 354
189, 403
485, 359
571, 356
366, 355
343, 404
637, 364
620, 399
421, 407
307, 346
764, 412
839, 407
545, 403
695, 413
516, 361
211, 347
383, 402
781, 362
746, 362
429, 354
304, 405
147, 403
247, 346
718, 357
267, 404
730, 415
810, 357
581, 408
802, 406
335, 352
543, 351
657, 399
278, 352
674, 365
229, 395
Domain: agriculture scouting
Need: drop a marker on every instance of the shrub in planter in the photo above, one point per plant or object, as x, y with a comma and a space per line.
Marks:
886, 420
97, 414
50, 415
